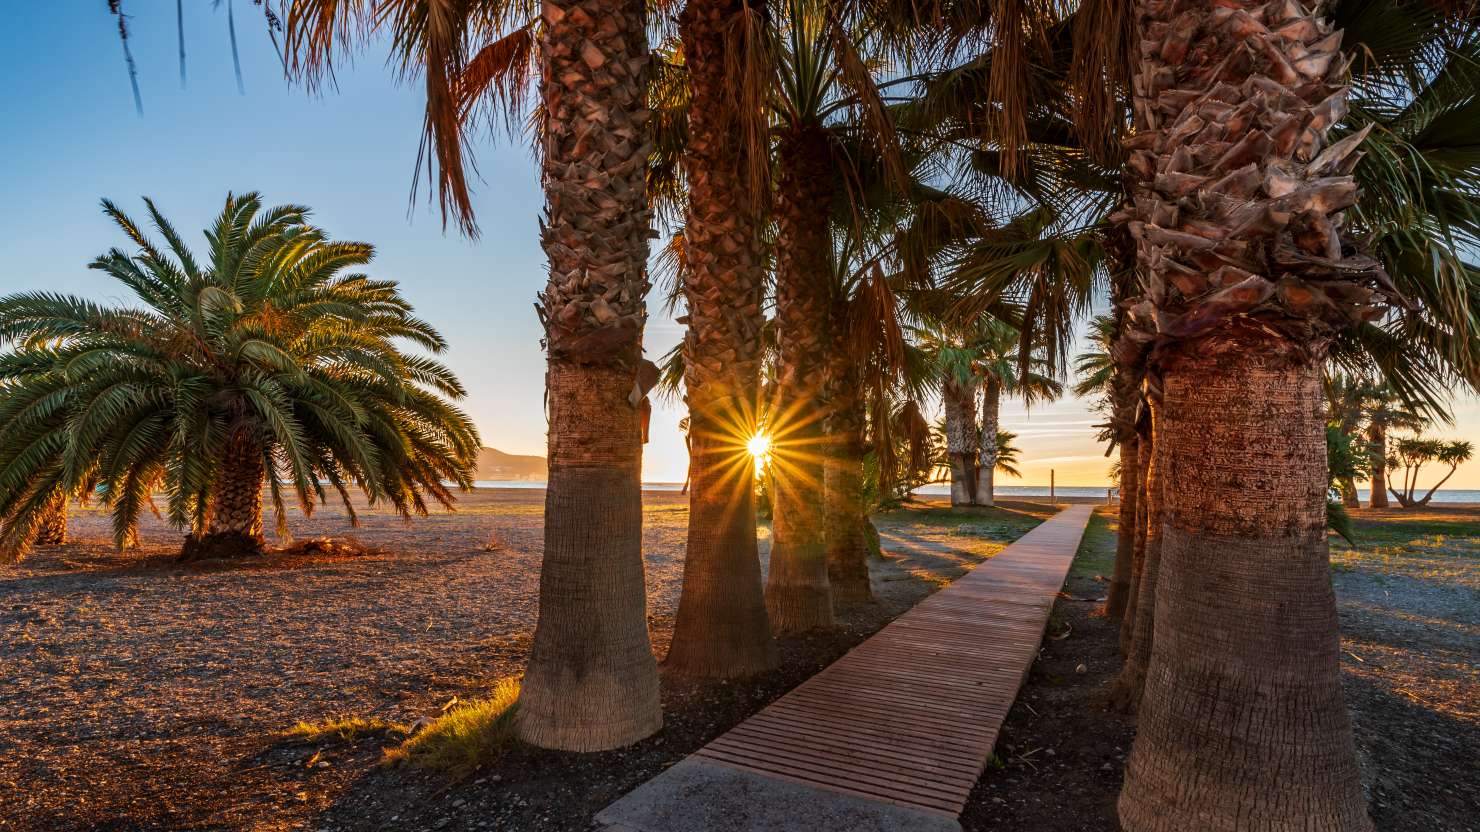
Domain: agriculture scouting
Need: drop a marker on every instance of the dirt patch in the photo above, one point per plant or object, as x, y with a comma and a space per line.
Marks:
154, 695
1061, 752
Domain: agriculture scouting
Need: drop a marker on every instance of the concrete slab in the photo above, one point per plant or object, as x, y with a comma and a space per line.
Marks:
698, 795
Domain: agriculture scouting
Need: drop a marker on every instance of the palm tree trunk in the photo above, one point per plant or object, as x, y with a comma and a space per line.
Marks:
847, 543
52, 530
235, 527
1377, 436
721, 628
798, 596
1349, 496
986, 471
1243, 724
1144, 452
1125, 541
961, 446
592, 681
1137, 644
1430, 495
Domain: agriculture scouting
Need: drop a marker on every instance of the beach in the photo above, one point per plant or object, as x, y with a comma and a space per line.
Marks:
148, 692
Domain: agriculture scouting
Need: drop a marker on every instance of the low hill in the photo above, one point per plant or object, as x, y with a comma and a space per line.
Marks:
494, 464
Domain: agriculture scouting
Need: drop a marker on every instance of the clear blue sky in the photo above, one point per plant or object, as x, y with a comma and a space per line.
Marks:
70, 136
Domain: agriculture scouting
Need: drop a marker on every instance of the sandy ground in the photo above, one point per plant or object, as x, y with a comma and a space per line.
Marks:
137, 693
140, 694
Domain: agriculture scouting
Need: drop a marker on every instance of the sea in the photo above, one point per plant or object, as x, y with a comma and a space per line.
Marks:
942, 490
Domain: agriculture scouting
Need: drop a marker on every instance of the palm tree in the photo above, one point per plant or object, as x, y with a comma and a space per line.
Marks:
590, 63
1385, 412
1001, 373
1345, 399
954, 361
1413, 453
721, 627
1114, 389
1238, 115
262, 361
592, 680
820, 78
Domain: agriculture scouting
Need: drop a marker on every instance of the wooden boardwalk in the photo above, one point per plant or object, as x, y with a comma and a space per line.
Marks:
906, 719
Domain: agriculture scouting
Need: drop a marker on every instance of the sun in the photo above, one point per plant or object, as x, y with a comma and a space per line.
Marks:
760, 448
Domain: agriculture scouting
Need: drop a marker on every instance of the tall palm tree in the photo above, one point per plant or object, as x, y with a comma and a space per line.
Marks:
820, 78
592, 680
960, 394
721, 627
261, 361
1244, 284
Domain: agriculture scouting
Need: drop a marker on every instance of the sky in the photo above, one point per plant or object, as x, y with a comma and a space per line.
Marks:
70, 136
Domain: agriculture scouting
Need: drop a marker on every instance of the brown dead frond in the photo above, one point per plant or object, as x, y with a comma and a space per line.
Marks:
1104, 47
859, 81
348, 547
1019, 36
750, 62
497, 78
313, 29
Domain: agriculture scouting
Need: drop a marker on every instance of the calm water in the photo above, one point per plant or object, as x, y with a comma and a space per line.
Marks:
942, 490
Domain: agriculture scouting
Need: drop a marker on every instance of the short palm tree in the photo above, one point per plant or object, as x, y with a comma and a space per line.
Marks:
263, 361
1413, 453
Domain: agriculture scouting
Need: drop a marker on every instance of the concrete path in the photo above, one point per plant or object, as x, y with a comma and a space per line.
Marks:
893, 735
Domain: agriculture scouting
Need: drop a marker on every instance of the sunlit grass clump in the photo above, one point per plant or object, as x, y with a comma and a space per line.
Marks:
345, 729
466, 736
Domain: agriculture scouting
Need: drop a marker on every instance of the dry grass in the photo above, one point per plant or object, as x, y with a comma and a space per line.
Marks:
467, 736
343, 728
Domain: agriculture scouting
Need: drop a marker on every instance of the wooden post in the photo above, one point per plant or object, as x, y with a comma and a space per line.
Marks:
1051, 497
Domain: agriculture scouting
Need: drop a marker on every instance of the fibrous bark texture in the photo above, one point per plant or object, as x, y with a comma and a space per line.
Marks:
1237, 211
1125, 541
1144, 453
235, 528
721, 628
1238, 200
846, 519
592, 681
1138, 631
798, 596
986, 468
960, 403
1242, 725
52, 529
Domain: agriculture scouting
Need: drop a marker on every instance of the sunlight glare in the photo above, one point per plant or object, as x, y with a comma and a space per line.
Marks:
760, 448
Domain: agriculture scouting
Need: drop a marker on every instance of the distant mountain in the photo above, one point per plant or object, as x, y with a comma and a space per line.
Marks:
496, 465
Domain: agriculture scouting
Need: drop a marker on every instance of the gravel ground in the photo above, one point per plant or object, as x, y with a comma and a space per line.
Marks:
136, 693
